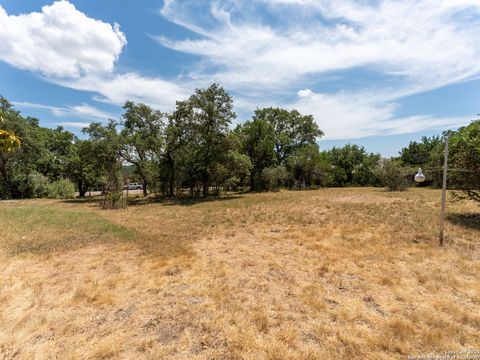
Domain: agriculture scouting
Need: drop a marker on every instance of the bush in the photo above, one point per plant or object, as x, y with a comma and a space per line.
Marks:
114, 200
274, 177
61, 189
392, 176
33, 185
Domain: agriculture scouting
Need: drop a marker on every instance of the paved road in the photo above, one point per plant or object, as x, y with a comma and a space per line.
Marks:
97, 193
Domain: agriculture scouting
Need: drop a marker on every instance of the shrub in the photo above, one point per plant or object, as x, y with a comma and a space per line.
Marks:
114, 200
392, 176
61, 189
274, 177
33, 185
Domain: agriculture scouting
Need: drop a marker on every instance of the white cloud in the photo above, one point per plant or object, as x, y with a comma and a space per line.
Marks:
305, 93
83, 111
60, 41
350, 115
74, 125
411, 46
71, 49
428, 43
88, 111
119, 88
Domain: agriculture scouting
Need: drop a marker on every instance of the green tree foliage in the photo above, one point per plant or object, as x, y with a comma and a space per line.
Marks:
465, 157
142, 139
426, 154
392, 175
292, 130
34, 185
178, 152
351, 165
232, 172
274, 177
58, 147
61, 189
257, 141
209, 113
43, 151
423, 152
278, 137
105, 150
82, 166
307, 167
193, 149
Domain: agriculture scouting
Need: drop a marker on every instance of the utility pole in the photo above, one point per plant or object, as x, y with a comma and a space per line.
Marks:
444, 192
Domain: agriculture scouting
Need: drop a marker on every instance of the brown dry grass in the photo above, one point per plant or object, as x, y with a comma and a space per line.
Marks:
328, 274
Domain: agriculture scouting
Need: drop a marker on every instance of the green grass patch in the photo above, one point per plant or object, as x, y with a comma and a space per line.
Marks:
45, 228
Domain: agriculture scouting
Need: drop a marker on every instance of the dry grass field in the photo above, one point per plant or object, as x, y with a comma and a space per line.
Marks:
325, 274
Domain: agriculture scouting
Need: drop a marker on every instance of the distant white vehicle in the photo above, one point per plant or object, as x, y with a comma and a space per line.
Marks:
133, 186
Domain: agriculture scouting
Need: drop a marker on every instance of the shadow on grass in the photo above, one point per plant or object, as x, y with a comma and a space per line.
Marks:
165, 201
468, 220
84, 200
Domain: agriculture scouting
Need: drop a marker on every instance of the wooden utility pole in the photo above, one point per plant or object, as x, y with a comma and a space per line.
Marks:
444, 193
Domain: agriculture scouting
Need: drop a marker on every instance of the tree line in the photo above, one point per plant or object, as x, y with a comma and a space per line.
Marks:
196, 150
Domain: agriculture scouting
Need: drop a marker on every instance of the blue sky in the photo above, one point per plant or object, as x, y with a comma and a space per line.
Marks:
376, 73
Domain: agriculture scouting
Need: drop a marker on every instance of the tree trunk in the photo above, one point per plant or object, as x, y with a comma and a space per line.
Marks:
205, 183
163, 186
82, 190
144, 181
171, 188
171, 180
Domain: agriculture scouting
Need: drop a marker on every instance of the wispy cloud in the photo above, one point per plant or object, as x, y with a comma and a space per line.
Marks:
74, 125
349, 116
118, 88
413, 45
83, 111
427, 44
